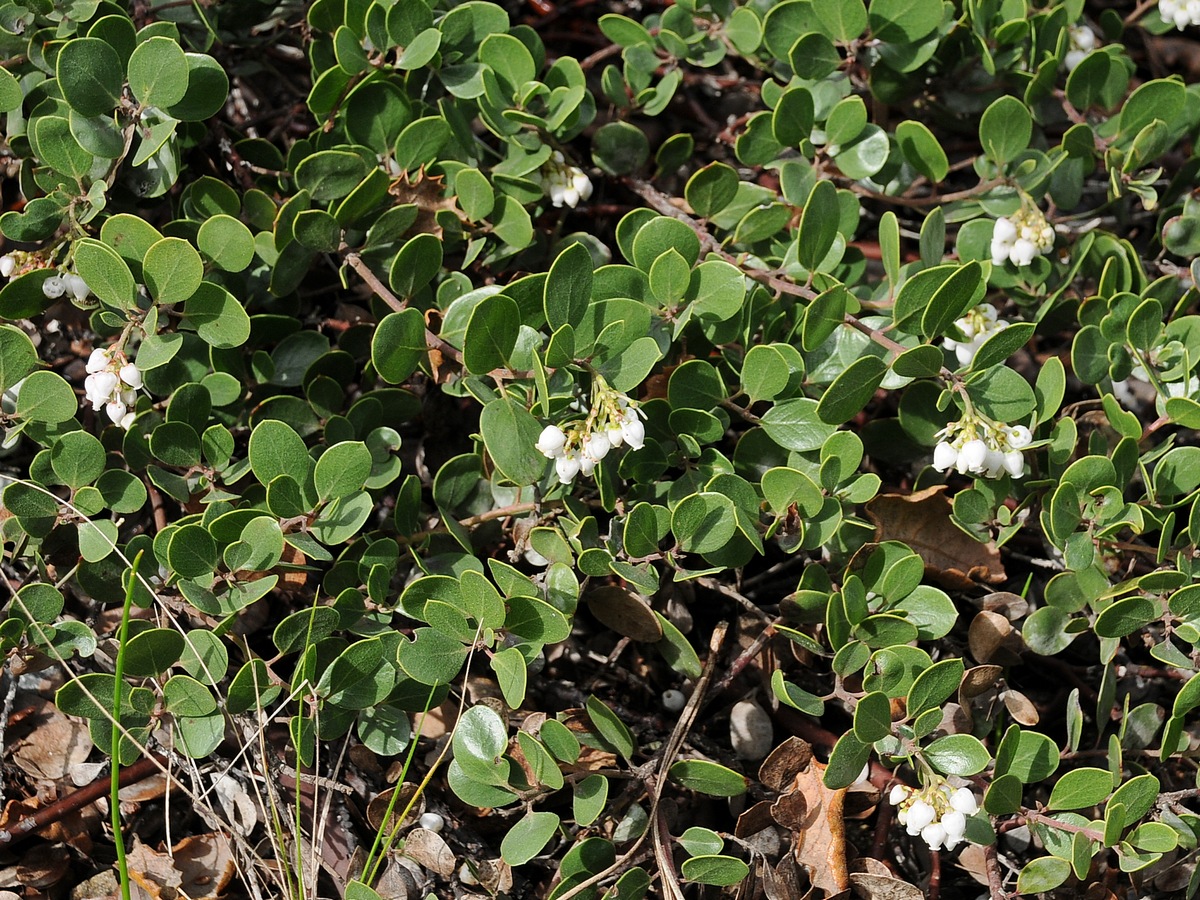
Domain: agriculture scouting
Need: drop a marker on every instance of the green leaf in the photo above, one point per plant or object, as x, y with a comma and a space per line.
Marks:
106, 273
1002, 344
620, 148
191, 551
922, 150
217, 316
952, 299
1003, 795
11, 95
704, 522
851, 390
46, 397
1127, 616
418, 261
398, 345
814, 56
904, 21
207, 89
509, 666
173, 270
330, 174
90, 75
276, 449
1042, 875
711, 189
158, 72
342, 469
480, 739
846, 761
510, 433
934, 686
873, 717
17, 356
723, 871
765, 372
1005, 129
77, 459
492, 333
59, 149
958, 754
183, 695
152, 651
568, 287
612, 730
528, 837
796, 697
431, 657
590, 796
227, 242
1081, 788
708, 778
818, 224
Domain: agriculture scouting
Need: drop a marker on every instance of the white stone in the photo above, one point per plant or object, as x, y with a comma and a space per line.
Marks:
750, 731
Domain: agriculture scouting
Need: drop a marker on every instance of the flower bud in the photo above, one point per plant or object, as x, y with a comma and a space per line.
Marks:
1014, 463
98, 361
934, 835
131, 375
898, 794
1019, 436
920, 814
116, 411
53, 287
633, 431
972, 457
99, 388
596, 446
8, 265
587, 464
964, 801
550, 443
567, 467
1004, 230
944, 457
77, 286
955, 823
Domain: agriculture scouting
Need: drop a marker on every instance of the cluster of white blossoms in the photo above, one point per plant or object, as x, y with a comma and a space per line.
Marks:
614, 420
937, 813
975, 445
1180, 13
1022, 237
112, 385
564, 184
1083, 42
979, 324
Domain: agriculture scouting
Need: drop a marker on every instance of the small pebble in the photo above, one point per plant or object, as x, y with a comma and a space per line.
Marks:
673, 700
432, 822
750, 731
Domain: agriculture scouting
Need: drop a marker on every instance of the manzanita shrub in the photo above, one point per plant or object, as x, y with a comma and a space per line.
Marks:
869, 328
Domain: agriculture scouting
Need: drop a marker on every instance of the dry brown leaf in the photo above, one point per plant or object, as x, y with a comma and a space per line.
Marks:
977, 680
377, 809
922, 521
973, 859
43, 866
625, 613
754, 820
153, 874
206, 865
992, 639
1021, 708
429, 850
54, 743
813, 812
425, 192
75, 827
877, 887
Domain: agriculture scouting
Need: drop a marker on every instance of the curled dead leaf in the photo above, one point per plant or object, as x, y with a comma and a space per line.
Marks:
1021, 708
377, 809
991, 638
922, 520
869, 886
624, 612
1011, 606
427, 848
977, 680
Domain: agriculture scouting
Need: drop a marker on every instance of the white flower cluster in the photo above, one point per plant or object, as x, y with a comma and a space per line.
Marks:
1083, 42
565, 184
937, 813
976, 326
55, 286
112, 384
1180, 13
977, 446
615, 420
1021, 238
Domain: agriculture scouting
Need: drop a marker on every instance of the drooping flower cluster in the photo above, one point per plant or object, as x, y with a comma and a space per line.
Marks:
1180, 13
979, 324
1083, 42
937, 813
1022, 237
112, 384
564, 184
975, 445
576, 448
